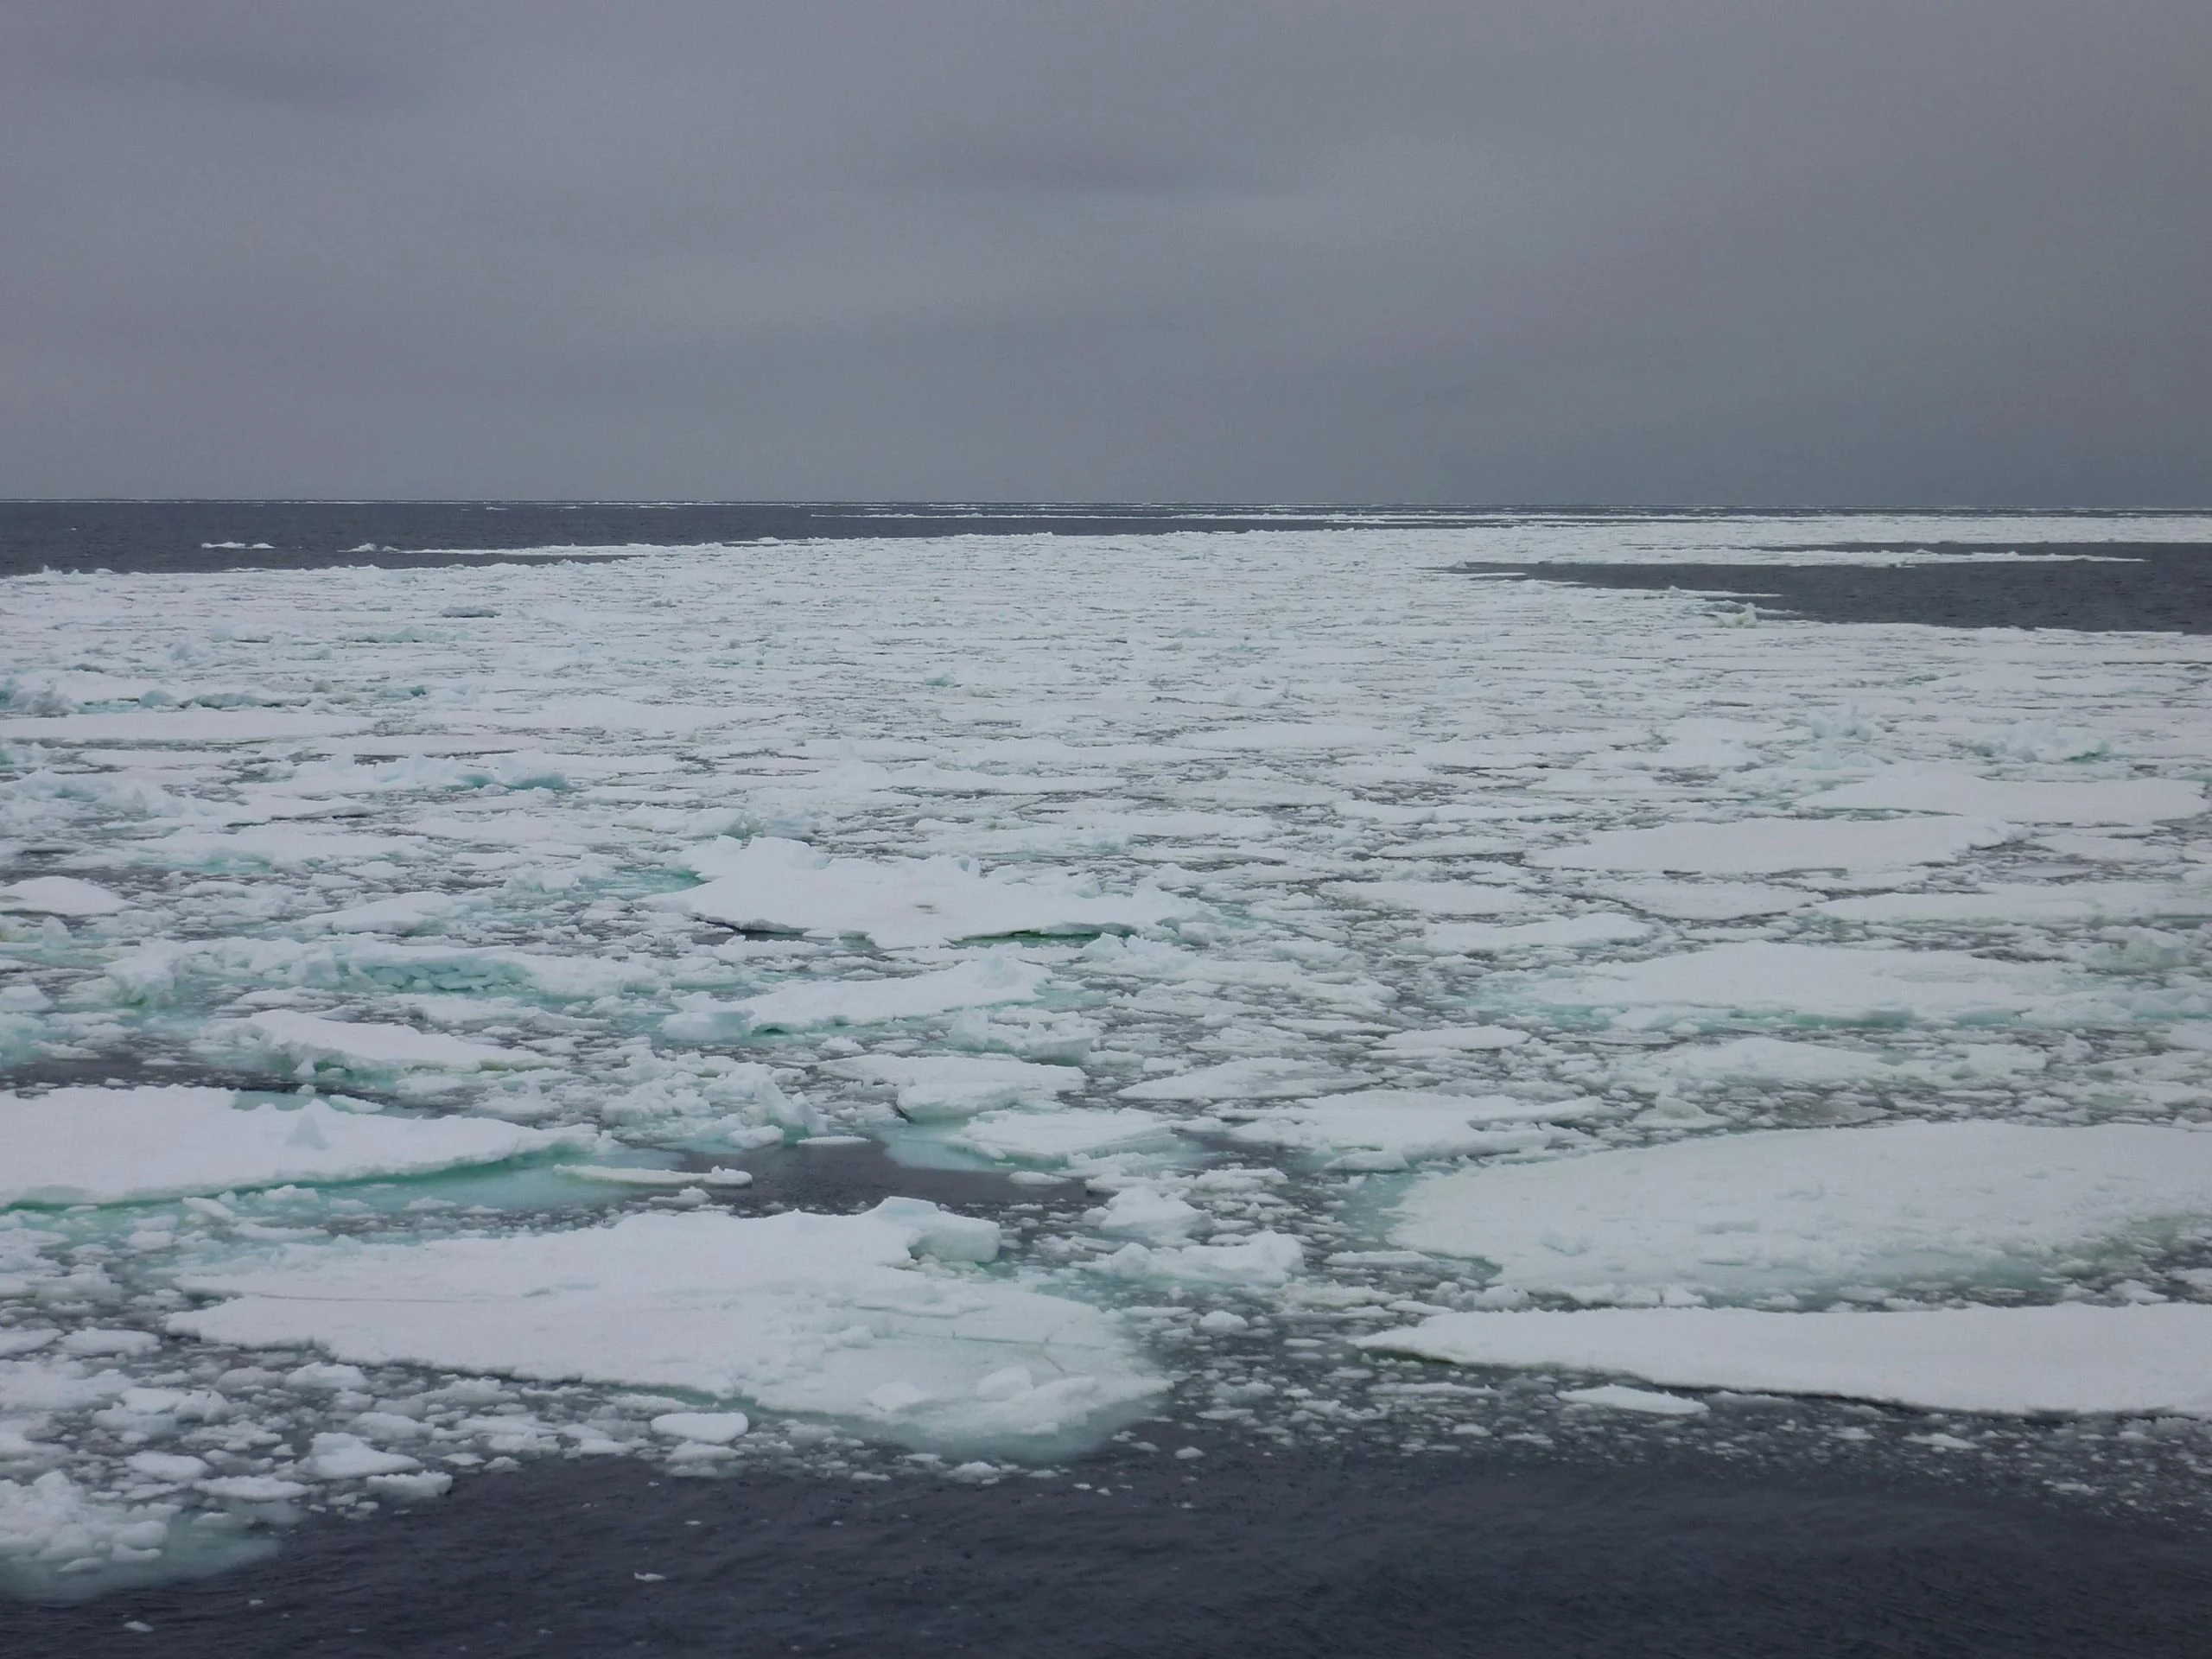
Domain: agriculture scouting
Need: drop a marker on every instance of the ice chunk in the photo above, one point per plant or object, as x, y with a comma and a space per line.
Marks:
2104, 800
1258, 1261
2070, 1358
934, 1088
706, 1428
308, 1041
987, 981
128, 1146
348, 1457
786, 886
175, 1468
1815, 982
1769, 846
59, 895
1614, 1397
795, 1312
1048, 1137
403, 913
1265, 1079
1146, 1213
1810, 1210
1484, 939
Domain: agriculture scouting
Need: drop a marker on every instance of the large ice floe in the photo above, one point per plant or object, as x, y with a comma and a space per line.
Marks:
450, 1017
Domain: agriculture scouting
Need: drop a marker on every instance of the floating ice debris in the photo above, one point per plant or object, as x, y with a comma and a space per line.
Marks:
637, 1175
704, 1427
1769, 846
1451, 1039
1811, 1209
1264, 1078
403, 913
1259, 1260
127, 1146
1145, 1213
1806, 1064
1485, 939
1707, 901
935, 1088
2070, 1358
1052, 1137
2103, 800
59, 895
1400, 1126
786, 886
988, 982
826, 1315
1614, 1397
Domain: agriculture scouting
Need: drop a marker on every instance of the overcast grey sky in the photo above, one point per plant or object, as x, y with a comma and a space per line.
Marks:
1647, 251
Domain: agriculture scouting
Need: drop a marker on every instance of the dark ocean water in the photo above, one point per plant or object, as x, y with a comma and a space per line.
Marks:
1242, 1552
1293, 1555
2162, 586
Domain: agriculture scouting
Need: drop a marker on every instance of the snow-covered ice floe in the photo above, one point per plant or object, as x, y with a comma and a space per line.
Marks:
2067, 1358
130, 1146
825, 1315
1812, 1209
431, 1040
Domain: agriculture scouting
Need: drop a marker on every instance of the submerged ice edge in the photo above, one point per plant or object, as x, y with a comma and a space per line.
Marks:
1202, 935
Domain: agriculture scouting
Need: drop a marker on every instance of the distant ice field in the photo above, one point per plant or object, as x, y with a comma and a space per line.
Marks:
1275, 983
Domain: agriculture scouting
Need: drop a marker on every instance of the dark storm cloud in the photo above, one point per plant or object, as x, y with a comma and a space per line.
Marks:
1641, 251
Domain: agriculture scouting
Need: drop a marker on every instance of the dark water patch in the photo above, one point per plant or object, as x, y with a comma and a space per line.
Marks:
1240, 1551
186, 536
2161, 586
844, 1178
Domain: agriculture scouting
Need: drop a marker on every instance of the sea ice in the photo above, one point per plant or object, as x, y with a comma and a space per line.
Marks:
1809, 1210
59, 895
1706, 902
2070, 1358
987, 981
933, 1088
823, 1315
1397, 1126
1266, 1078
1488, 938
2104, 800
1817, 982
130, 1146
1771, 846
1052, 1137
306, 1043
786, 886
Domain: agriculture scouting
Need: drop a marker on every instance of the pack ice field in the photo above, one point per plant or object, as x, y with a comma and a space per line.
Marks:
458, 1016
